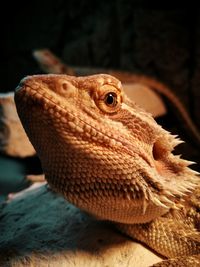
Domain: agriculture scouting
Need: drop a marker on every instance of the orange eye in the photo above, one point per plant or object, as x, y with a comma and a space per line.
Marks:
110, 99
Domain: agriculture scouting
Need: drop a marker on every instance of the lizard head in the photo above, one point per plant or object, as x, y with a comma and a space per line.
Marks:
99, 149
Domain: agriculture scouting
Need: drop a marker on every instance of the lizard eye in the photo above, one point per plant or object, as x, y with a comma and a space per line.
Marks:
110, 99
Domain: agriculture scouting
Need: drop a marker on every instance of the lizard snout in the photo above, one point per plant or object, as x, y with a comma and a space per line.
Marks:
59, 84
28, 81
22, 83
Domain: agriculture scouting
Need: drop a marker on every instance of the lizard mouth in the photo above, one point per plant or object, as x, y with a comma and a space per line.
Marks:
50, 104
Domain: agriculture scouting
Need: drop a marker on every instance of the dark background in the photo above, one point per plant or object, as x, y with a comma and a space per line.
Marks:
127, 35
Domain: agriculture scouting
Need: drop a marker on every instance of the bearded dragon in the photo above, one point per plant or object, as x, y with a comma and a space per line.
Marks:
50, 63
110, 158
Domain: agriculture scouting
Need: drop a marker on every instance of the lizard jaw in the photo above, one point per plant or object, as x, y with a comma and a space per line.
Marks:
137, 200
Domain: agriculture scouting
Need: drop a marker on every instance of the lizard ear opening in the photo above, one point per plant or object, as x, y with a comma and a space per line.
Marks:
158, 150
177, 179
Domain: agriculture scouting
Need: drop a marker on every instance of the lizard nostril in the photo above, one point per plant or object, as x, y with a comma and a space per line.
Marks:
64, 86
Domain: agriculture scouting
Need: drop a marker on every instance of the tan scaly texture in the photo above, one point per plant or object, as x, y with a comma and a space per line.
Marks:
50, 63
110, 158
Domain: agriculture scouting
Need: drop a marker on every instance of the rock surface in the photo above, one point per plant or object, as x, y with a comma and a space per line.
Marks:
40, 229
13, 139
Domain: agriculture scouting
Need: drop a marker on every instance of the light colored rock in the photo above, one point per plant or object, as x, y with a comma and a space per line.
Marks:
13, 139
40, 228
146, 98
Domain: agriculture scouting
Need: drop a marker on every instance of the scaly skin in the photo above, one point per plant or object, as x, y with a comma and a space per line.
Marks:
110, 158
50, 63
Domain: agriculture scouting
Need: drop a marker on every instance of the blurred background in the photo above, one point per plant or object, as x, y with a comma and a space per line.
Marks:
126, 35
122, 34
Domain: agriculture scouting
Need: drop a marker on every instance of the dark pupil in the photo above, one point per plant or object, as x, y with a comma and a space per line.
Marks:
110, 99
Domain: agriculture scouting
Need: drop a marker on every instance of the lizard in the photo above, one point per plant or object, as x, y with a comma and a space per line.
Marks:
109, 157
50, 63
